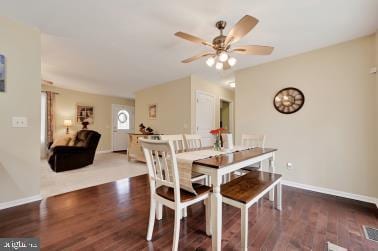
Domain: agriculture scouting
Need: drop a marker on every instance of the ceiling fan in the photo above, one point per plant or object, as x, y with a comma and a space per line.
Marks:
222, 44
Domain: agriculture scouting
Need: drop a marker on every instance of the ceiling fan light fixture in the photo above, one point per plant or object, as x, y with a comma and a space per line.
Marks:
232, 61
210, 61
223, 56
219, 66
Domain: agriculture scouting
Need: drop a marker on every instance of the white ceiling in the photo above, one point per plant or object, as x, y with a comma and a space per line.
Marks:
116, 47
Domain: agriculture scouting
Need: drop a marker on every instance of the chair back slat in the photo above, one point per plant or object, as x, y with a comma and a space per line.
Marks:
177, 141
253, 140
193, 141
161, 164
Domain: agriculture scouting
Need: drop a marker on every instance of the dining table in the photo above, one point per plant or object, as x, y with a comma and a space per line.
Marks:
225, 164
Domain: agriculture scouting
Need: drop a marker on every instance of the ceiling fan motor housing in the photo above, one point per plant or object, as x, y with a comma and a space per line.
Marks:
218, 42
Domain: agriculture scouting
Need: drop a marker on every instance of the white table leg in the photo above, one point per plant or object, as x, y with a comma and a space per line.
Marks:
216, 213
272, 170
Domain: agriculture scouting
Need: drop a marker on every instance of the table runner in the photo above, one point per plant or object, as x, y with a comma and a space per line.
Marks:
185, 163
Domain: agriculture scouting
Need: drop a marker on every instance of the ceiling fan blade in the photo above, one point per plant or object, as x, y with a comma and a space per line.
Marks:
192, 38
241, 29
253, 50
226, 65
198, 56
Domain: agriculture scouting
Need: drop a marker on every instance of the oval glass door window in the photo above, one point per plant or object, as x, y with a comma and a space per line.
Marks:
123, 122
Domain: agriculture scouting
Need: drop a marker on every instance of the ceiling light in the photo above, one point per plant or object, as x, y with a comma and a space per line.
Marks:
210, 61
232, 84
223, 56
232, 61
219, 66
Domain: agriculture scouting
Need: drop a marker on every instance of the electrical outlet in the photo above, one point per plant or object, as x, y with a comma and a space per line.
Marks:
19, 122
289, 166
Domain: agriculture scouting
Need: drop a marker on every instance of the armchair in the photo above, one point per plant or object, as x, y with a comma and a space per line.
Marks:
81, 154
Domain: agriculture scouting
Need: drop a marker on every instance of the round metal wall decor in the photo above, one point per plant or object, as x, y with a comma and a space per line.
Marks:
288, 100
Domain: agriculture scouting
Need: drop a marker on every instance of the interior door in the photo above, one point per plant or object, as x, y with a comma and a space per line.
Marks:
123, 124
205, 117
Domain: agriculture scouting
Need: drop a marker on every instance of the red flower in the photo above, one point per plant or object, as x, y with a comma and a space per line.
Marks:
217, 131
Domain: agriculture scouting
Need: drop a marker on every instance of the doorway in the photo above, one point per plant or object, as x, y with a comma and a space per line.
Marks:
122, 125
224, 121
226, 115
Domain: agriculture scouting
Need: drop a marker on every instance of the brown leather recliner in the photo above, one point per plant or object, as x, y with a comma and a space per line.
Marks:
81, 154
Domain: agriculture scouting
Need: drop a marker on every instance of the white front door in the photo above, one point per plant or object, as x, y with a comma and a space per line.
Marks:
205, 117
123, 124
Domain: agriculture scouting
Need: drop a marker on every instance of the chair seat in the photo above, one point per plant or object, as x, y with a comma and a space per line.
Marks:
247, 187
168, 192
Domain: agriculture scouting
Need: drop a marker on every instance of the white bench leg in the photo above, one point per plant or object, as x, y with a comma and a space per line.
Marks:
244, 228
279, 196
159, 211
176, 231
151, 221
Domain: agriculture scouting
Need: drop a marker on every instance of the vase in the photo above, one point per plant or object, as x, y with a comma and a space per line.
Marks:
217, 144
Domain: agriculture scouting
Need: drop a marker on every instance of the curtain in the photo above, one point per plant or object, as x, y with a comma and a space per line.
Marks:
50, 127
43, 125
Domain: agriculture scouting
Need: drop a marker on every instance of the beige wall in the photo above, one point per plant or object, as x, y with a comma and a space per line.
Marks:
173, 107
66, 102
218, 91
176, 104
330, 141
19, 147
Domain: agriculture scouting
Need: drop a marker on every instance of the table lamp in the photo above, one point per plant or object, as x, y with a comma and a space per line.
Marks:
67, 123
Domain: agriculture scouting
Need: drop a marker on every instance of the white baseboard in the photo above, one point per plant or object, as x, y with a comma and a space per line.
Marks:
20, 201
331, 192
103, 151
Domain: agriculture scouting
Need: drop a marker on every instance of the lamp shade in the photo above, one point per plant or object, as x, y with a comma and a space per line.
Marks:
67, 122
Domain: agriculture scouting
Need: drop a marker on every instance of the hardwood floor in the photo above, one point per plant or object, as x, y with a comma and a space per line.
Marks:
114, 216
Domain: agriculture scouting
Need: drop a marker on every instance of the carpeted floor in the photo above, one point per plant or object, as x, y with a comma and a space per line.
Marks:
107, 167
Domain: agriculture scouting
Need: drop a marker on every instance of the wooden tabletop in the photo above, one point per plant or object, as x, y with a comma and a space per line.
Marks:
232, 158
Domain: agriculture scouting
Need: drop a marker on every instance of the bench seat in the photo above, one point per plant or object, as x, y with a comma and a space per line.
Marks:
245, 188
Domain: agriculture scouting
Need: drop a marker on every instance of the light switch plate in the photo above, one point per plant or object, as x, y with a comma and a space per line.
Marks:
19, 122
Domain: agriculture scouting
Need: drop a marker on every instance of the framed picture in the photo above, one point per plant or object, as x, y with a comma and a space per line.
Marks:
152, 111
2, 73
84, 113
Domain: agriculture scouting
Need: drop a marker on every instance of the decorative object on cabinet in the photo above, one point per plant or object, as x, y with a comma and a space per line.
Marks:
288, 100
144, 130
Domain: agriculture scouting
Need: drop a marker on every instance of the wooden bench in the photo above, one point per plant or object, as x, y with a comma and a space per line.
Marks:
246, 190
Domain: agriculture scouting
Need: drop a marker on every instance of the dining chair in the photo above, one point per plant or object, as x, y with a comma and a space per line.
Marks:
253, 140
179, 145
193, 141
165, 189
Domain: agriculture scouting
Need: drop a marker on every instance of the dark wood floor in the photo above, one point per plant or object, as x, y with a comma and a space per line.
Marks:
114, 216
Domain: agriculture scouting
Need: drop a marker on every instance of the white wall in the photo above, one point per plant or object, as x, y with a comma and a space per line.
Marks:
332, 140
19, 147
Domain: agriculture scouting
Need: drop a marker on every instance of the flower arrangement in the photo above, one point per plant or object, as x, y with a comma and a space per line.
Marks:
217, 133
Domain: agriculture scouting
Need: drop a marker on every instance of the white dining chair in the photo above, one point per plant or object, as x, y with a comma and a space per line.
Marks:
193, 142
253, 140
179, 145
165, 189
